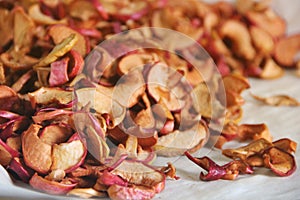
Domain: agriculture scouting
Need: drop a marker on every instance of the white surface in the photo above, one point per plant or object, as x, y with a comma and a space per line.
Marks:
282, 122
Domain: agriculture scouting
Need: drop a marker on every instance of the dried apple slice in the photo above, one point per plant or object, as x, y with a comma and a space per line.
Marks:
177, 142
6, 22
51, 187
86, 193
270, 70
255, 147
262, 40
235, 83
5, 156
68, 156
139, 173
278, 100
60, 32
286, 144
269, 21
46, 95
108, 105
280, 162
65, 45
117, 192
37, 154
286, 50
238, 34
55, 134
58, 74
36, 14
254, 132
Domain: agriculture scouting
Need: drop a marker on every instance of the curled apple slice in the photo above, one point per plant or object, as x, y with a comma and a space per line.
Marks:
255, 147
46, 95
23, 172
60, 32
51, 187
68, 156
280, 162
37, 154
254, 132
139, 173
55, 134
177, 142
286, 144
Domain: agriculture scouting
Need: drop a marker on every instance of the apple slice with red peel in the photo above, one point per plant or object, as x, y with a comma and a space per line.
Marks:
139, 173
55, 134
5, 156
158, 81
37, 154
286, 144
13, 152
18, 167
286, 50
6, 92
280, 162
68, 156
117, 192
76, 64
51, 187
177, 142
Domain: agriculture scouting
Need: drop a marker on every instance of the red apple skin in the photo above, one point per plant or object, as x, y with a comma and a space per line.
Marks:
12, 152
77, 63
50, 187
23, 172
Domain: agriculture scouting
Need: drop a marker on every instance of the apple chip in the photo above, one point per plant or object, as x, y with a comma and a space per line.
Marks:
278, 100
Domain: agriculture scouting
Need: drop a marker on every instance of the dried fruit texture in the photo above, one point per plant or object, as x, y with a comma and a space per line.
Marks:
42, 50
260, 153
278, 100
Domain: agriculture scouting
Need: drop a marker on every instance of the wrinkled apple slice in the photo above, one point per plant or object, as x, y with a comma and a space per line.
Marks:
235, 83
59, 72
55, 134
46, 95
254, 132
129, 88
280, 162
37, 154
268, 21
239, 35
117, 192
255, 147
65, 45
286, 50
139, 173
60, 32
131, 61
51, 187
278, 100
286, 144
177, 142
23, 29
36, 14
158, 85
229, 171
68, 156
107, 106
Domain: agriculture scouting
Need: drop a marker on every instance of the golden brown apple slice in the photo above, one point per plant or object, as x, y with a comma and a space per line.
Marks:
38, 16
51, 187
47, 95
37, 154
235, 83
139, 173
177, 142
271, 70
68, 156
60, 32
269, 21
240, 38
262, 40
5, 156
286, 50
55, 134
